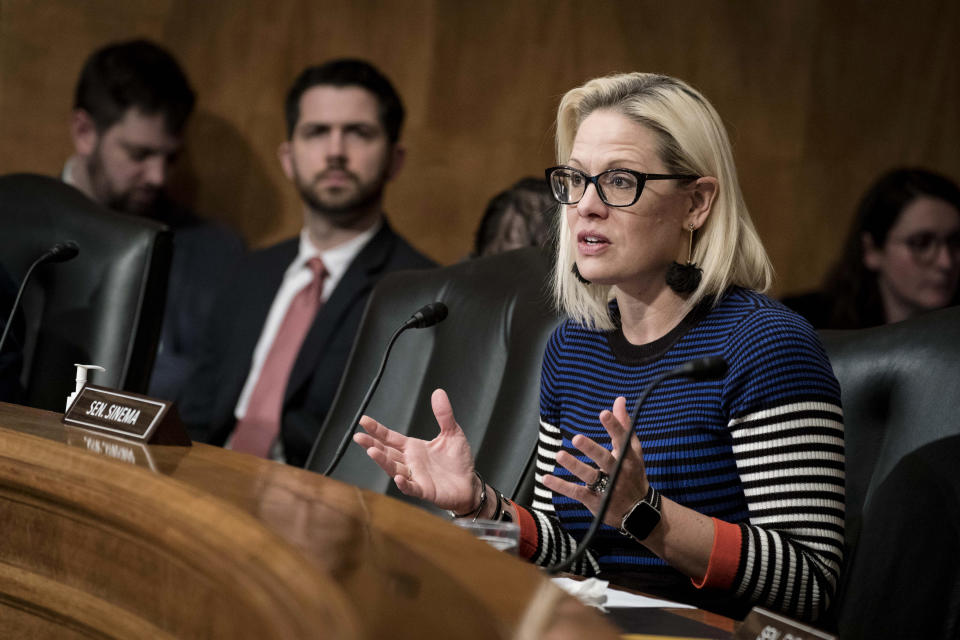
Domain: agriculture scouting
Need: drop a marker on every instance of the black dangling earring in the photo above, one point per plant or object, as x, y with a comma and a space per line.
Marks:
684, 278
576, 272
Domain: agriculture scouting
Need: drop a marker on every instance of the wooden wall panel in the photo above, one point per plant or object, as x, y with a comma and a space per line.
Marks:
819, 96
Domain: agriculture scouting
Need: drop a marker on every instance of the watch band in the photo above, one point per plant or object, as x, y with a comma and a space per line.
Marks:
643, 517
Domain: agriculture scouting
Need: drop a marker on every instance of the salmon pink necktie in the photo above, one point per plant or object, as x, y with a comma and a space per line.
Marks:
259, 427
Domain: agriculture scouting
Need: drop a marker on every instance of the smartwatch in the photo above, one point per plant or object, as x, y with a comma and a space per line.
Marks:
643, 517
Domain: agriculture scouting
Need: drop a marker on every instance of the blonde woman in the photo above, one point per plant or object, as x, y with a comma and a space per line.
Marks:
732, 493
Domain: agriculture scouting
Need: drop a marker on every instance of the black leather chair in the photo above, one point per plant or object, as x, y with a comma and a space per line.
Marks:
486, 355
901, 391
104, 307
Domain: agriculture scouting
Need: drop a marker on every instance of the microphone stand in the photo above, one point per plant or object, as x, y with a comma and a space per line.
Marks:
60, 252
704, 368
345, 442
427, 316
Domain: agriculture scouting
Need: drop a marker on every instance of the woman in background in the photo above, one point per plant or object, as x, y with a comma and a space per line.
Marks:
515, 218
901, 257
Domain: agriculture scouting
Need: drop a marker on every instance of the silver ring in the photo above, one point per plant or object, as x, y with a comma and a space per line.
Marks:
599, 486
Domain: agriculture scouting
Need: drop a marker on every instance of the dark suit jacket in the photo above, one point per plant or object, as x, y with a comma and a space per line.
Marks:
204, 256
209, 401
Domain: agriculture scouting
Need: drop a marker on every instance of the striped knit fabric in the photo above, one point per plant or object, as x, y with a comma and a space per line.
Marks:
762, 448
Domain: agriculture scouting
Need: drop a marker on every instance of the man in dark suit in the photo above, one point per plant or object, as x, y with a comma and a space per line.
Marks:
131, 105
281, 334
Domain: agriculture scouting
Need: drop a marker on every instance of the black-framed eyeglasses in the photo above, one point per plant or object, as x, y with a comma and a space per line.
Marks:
925, 246
616, 187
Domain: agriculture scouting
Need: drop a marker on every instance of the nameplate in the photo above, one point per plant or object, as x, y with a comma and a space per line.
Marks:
126, 415
766, 625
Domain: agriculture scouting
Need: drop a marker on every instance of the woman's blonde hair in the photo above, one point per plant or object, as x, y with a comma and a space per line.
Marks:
692, 141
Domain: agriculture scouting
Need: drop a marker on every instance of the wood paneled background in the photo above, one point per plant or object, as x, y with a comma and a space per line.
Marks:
818, 95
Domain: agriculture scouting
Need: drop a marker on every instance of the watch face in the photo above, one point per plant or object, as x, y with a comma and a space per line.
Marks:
642, 520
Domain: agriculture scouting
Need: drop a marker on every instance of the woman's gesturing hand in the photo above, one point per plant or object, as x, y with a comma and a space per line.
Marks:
631, 486
439, 471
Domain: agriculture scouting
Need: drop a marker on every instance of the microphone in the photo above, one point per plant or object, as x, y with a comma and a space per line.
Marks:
709, 368
427, 316
60, 252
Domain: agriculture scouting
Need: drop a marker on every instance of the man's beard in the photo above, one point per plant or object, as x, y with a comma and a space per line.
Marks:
110, 197
341, 210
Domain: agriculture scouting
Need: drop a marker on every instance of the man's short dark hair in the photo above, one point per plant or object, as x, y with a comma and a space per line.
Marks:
348, 72
134, 74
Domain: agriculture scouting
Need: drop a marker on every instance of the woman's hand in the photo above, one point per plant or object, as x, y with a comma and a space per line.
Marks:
439, 471
632, 485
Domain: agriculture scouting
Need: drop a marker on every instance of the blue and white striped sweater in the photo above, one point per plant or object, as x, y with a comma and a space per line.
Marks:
763, 447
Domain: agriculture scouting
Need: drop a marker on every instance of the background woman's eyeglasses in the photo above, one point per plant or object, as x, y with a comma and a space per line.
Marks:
616, 187
925, 246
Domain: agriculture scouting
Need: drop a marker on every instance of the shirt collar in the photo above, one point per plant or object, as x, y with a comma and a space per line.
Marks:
67, 174
335, 260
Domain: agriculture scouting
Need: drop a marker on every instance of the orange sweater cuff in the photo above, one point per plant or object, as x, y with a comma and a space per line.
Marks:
724, 557
528, 532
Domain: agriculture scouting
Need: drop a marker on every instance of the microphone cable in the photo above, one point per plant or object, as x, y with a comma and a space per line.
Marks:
60, 252
426, 316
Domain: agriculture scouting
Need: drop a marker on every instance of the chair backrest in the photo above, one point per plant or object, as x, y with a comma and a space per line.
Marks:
104, 307
900, 385
486, 355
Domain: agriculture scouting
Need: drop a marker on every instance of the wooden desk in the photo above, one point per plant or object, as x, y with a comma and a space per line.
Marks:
106, 539
198, 542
